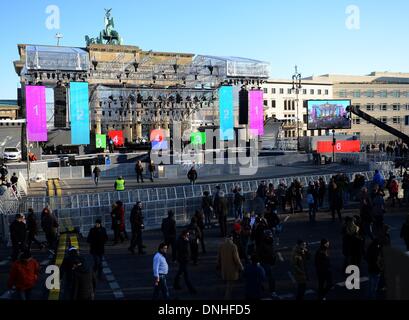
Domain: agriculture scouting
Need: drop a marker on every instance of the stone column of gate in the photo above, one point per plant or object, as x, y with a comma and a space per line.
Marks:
128, 131
98, 116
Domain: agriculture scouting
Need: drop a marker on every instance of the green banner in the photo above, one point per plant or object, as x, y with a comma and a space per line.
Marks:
101, 141
197, 138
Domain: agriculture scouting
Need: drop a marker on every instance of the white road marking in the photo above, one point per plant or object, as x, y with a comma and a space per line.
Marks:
45, 263
280, 256
113, 284
314, 243
286, 218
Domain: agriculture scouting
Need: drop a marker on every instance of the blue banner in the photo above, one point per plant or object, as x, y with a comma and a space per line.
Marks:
226, 113
79, 113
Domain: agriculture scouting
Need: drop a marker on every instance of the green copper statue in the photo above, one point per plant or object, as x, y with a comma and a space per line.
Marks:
109, 34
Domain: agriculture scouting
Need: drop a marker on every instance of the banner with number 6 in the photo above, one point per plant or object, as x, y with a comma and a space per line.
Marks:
79, 113
36, 114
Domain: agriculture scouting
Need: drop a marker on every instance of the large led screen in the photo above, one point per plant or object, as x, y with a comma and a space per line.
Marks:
328, 114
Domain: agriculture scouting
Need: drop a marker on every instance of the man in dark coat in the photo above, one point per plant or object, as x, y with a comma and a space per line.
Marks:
18, 236
169, 232
267, 258
32, 229
323, 268
182, 246
83, 281
139, 171
97, 237
137, 226
192, 175
49, 225
207, 207
66, 272
254, 275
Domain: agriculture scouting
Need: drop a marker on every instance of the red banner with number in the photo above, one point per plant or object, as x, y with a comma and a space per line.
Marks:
117, 137
342, 146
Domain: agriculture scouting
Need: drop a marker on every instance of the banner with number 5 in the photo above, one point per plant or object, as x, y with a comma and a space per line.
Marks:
79, 113
36, 114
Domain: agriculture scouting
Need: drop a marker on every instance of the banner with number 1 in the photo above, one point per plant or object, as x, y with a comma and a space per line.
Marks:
79, 113
36, 114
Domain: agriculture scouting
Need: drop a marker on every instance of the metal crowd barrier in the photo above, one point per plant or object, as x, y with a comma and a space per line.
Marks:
82, 210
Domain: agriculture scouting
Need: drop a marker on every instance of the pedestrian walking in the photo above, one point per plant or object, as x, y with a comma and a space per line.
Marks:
50, 225
311, 204
139, 171
32, 229
160, 273
207, 207
18, 236
111, 145
229, 264
254, 276
201, 224
97, 237
267, 258
321, 192
67, 273
152, 170
168, 228
84, 282
97, 174
182, 246
375, 266
222, 211
404, 232
119, 184
238, 203
14, 181
194, 240
192, 175
335, 200
299, 263
323, 269
118, 222
24, 275
137, 226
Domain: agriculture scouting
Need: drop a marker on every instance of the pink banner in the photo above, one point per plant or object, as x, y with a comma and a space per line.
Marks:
256, 112
36, 114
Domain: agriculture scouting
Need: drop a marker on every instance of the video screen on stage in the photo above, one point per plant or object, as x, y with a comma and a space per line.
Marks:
328, 114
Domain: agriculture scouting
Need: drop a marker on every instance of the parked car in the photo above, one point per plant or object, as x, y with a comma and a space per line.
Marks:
11, 154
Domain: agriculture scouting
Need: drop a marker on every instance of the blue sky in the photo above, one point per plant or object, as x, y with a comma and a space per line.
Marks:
311, 34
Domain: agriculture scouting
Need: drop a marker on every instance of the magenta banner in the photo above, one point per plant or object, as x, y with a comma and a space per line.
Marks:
256, 112
36, 114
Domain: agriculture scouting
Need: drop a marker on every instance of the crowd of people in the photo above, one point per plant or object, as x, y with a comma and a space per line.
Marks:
248, 248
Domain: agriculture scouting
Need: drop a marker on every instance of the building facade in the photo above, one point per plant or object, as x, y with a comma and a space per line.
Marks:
280, 102
383, 95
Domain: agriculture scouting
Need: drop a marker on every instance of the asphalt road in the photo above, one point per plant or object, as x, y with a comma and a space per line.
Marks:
129, 276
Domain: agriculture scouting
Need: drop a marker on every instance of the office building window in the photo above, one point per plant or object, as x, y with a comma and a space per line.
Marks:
383, 107
266, 103
265, 90
293, 134
384, 119
312, 91
396, 94
285, 105
312, 133
326, 92
407, 107
319, 92
383, 94
289, 91
396, 107
281, 91
370, 107
304, 133
406, 120
370, 94
396, 120
273, 90
293, 105
356, 121
304, 91
357, 94
304, 118
273, 103
342, 93
305, 104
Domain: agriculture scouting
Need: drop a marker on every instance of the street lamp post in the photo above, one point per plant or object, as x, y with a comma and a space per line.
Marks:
296, 87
